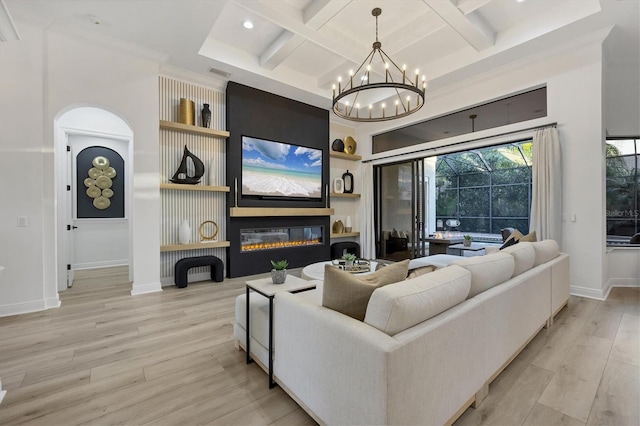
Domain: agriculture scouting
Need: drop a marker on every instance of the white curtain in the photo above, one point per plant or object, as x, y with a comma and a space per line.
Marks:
546, 173
367, 226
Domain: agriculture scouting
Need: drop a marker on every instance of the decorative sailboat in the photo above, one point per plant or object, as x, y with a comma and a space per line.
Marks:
182, 169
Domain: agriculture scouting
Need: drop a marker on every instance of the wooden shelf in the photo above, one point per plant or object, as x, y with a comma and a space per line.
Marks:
339, 195
194, 246
184, 187
278, 211
344, 156
346, 234
172, 125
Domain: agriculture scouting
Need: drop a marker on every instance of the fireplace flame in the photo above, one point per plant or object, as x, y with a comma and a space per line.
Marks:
279, 244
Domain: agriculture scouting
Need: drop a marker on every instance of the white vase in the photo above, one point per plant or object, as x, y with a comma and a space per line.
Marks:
212, 176
184, 232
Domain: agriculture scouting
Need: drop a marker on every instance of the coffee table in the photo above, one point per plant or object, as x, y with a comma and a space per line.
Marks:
268, 289
473, 247
315, 271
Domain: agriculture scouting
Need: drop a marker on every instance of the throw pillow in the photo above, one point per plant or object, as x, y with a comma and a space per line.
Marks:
510, 241
349, 294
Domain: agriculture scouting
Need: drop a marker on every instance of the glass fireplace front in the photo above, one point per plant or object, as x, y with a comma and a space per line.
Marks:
255, 239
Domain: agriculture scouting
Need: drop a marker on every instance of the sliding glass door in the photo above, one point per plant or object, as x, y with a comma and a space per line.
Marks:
400, 210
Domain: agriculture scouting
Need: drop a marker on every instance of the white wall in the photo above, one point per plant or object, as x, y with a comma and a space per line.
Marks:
573, 76
42, 76
22, 176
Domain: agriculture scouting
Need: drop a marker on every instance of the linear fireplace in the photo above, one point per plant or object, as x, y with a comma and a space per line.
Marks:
255, 241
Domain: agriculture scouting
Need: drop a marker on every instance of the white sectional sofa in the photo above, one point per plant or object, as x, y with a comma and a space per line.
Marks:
401, 365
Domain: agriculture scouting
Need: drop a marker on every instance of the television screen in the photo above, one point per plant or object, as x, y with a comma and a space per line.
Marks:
275, 169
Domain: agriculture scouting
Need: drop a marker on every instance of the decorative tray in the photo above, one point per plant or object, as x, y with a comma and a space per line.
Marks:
359, 266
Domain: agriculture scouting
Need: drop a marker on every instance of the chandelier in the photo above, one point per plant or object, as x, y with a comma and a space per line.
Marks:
361, 98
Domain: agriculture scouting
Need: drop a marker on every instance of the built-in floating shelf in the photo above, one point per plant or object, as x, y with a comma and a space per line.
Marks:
194, 246
346, 234
345, 156
184, 187
278, 211
343, 195
172, 125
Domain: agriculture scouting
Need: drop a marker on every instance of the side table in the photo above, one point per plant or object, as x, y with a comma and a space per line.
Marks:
266, 288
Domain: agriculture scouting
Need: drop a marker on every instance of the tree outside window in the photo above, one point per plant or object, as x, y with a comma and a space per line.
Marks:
623, 189
486, 189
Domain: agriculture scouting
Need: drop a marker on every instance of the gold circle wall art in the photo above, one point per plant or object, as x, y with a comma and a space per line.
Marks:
208, 231
99, 182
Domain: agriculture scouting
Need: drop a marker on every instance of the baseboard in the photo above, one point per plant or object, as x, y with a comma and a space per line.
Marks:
103, 264
623, 282
602, 294
590, 293
22, 308
145, 288
53, 302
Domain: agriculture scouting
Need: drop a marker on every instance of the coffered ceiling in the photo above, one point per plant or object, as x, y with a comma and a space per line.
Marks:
298, 48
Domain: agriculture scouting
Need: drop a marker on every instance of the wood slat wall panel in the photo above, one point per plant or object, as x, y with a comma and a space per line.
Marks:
194, 206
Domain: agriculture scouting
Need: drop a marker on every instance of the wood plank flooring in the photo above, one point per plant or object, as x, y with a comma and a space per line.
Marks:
105, 357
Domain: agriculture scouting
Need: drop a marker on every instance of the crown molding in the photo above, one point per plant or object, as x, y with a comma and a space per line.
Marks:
211, 82
8, 30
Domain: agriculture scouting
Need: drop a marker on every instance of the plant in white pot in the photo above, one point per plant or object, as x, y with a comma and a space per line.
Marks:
467, 241
279, 271
348, 260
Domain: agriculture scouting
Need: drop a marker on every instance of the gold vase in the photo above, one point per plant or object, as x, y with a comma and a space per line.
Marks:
186, 114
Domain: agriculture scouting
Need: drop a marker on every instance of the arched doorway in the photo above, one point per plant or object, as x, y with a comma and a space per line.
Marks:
91, 236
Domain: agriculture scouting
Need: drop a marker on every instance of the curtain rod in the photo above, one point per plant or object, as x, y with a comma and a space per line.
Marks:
544, 126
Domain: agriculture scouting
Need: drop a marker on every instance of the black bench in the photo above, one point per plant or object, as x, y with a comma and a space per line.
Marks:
183, 266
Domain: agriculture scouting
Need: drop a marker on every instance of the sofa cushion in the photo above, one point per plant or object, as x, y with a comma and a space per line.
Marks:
545, 251
523, 255
396, 307
349, 294
487, 271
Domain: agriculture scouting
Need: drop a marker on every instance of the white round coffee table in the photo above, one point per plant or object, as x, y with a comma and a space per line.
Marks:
315, 271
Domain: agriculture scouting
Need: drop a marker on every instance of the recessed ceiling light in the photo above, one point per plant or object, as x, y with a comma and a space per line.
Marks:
247, 24
520, 1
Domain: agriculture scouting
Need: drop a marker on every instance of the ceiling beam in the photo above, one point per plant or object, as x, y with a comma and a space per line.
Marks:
283, 46
275, 13
471, 27
315, 16
319, 12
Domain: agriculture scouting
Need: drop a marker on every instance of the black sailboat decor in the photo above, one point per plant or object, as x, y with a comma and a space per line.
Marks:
182, 169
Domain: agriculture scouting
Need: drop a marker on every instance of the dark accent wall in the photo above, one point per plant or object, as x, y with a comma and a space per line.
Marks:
252, 112
255, 113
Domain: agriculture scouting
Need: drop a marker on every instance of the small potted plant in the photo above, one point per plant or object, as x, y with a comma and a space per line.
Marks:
348, 260
467, 241
279, 271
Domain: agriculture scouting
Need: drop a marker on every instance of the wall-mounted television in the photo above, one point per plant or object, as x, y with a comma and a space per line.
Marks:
273, 169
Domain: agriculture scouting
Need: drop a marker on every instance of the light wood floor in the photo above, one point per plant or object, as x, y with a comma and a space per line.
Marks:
105, 357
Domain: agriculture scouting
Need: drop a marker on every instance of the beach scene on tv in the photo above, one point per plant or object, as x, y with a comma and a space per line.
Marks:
280, 170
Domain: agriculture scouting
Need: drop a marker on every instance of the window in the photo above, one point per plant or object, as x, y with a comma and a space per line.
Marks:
508, 110
485, 189
623, 189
